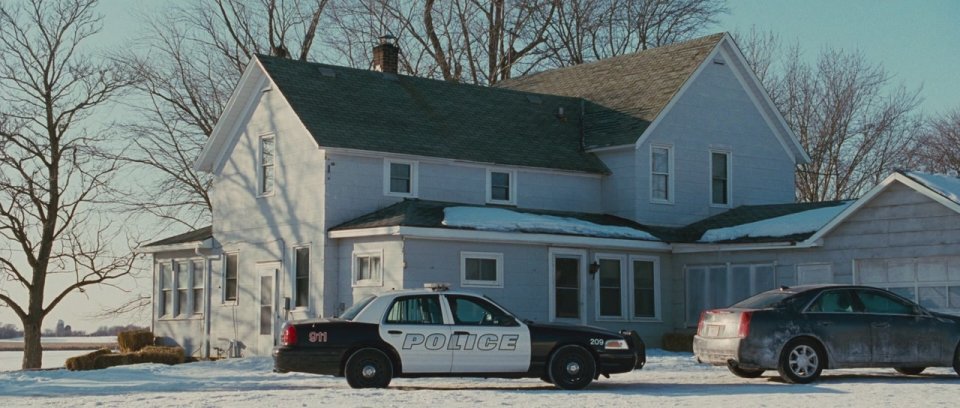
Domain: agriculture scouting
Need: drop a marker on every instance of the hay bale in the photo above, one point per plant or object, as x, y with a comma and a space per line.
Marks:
162, 355
134, 340
678, 342
111, 360
86, 361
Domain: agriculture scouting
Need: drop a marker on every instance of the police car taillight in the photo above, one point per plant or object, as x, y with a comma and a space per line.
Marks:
618, 344
288, 336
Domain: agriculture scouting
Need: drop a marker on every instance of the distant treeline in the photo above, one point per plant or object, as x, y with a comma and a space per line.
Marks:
9, 331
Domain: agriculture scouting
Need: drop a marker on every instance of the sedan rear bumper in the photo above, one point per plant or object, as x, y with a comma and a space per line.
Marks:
733, 351
290, 359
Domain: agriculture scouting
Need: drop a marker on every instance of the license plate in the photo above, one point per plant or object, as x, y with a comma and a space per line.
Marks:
713, 330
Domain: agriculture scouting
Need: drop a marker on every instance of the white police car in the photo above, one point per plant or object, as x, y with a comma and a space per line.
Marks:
435, 332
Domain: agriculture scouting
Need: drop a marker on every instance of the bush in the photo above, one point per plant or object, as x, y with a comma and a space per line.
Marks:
678, 342
132, 341
86, 361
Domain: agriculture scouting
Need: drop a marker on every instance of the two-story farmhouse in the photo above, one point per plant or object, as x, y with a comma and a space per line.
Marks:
630, 192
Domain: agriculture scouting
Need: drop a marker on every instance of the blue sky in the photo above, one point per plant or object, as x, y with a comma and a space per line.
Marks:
917, 42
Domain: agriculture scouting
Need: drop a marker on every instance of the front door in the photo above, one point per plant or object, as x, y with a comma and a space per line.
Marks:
901, 334
414, 327
567, 282
267, 305
485, 338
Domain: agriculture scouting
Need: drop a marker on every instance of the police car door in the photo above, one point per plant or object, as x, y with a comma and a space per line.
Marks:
485, 338
414, 327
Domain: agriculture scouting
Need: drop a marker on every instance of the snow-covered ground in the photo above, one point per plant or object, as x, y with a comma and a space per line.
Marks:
59, 340
670, 379
13, 360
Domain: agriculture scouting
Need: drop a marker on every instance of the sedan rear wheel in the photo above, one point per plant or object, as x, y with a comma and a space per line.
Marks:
745, 372
572, 367
801, 362
368, 368
909, 370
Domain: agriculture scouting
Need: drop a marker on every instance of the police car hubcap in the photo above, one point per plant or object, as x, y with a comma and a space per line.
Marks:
368, 371
573, 368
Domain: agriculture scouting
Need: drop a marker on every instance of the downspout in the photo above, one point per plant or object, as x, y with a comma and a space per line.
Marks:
583, 141
205, 347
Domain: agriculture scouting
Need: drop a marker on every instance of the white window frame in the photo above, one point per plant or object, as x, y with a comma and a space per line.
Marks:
165, 292
223, 279
353, 268
293, 276
624, 300
800, 271
193, 286
177, 270
414, 175
261, 166
658, 310
671, 192
729, 155
513, 186
552, 255
496, 256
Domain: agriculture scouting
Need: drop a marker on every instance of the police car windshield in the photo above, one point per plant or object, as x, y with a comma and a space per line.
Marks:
352, 312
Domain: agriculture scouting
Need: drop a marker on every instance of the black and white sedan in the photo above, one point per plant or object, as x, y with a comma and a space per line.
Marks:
801, 331
435, 332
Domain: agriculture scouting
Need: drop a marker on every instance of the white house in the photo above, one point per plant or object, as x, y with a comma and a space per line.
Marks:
607, 193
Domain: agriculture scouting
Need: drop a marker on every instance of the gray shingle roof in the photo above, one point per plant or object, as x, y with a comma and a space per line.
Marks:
631, 89
747, 214
189, 236
372, 111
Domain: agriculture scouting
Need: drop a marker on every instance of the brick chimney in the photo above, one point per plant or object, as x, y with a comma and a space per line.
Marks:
386, 56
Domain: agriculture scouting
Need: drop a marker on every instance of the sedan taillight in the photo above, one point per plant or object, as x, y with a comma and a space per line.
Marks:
744, 329
703, 316
288, 336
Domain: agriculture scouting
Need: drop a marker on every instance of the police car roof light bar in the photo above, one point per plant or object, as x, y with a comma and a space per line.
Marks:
437, 286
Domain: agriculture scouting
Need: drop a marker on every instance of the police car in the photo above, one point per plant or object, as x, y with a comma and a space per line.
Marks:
435, 332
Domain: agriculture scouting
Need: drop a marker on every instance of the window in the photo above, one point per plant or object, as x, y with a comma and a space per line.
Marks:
481, 269
230, 279
880, 303
266, 173
367, 269
645, 276
715, 286
661, 169
567, 287
415, 310
197, 274
400, 178
835, 301
183, 288
302, 280
501, 186
477, 312
720, 179
628, 293
166, 289
609, 287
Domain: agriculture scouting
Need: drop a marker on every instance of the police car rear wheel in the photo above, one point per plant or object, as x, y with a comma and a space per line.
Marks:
572, 367
368, 368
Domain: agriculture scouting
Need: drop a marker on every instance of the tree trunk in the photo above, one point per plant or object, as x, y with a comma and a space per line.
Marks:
32, 349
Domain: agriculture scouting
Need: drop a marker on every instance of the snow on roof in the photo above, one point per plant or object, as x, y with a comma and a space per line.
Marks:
498, 219
783, 226
948, 186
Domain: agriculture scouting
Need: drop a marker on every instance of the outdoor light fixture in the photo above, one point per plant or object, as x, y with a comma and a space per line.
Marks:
594, 267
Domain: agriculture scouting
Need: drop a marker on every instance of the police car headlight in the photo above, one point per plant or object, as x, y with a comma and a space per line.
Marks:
616, 345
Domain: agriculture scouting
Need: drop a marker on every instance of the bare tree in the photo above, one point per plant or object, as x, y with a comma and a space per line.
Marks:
856, 125
185, 77
54, 173
939, 147
588, 30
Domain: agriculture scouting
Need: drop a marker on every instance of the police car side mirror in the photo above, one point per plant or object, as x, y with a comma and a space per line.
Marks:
507, 321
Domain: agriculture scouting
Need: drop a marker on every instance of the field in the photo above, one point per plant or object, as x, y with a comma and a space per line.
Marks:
670, 379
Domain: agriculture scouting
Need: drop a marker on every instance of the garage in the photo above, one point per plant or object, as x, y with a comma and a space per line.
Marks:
933, 282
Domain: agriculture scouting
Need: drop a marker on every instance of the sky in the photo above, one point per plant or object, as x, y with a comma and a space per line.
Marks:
917, 42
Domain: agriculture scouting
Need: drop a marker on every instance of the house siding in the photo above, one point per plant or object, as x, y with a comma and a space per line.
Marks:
715, 113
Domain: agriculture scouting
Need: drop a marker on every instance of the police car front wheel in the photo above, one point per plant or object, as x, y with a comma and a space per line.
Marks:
368, 368
572, 367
